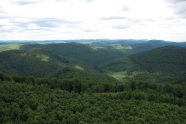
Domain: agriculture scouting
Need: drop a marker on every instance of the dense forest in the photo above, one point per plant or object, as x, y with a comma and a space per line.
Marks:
93, 82
52, 100
37, 62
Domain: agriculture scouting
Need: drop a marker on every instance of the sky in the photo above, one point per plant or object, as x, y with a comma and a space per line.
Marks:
92, 19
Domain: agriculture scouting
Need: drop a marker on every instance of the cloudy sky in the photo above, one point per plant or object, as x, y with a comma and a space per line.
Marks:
92, 19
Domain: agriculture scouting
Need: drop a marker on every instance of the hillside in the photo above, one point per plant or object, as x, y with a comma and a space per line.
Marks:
9, 46
169, 59
93, 55
157, 65
86, 77
159, 43
84, 52
37, 62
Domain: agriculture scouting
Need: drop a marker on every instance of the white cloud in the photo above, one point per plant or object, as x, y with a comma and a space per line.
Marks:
25, 2
78, 19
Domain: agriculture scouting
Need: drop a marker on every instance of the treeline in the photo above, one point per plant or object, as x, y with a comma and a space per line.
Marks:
174, 94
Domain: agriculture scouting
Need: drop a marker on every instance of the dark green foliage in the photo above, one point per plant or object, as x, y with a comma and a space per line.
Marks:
77, 86
165, 59
1, 76
32, 79
159, 65
139, 47
82, 52
89, 78
37, 62
45, 100
23, 103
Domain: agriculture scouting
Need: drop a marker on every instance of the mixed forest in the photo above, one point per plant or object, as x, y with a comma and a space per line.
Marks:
83, 82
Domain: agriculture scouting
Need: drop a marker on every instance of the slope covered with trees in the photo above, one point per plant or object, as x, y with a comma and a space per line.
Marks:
37, 62
169, 59
79, 51
164, 64
86, 77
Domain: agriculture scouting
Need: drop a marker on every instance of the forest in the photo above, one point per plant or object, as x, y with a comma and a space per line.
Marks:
94, 82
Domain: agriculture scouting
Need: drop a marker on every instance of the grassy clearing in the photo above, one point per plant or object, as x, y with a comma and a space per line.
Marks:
10, 46
43, 57
79, 67
123, 76
96, 48
117, 46
119, 75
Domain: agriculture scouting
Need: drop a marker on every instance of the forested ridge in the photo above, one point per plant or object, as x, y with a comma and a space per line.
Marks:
75, 83
163, 64
80, 51
37, 62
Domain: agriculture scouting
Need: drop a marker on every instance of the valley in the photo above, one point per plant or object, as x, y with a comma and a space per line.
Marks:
93, 81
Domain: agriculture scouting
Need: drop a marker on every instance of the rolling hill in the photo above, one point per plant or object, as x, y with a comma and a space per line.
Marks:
37, 62
169, 59
84, 52
85, 77
157, 65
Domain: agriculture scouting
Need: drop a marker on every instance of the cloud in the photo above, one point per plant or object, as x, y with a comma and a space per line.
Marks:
41, 22
88, 31
176, 1
150, 20
62, 0
48, 22
121, 27
125, 9
72, 26
71, 19
3, 17
89, 0
4, 30
1, 25
179, 7
25, 2
1, 9
111, 18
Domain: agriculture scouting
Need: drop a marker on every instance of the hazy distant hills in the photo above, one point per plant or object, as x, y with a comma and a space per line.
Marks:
152, 43
37, 62
159, 43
